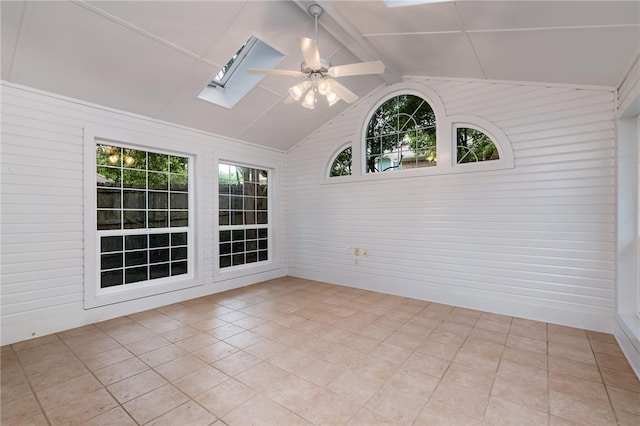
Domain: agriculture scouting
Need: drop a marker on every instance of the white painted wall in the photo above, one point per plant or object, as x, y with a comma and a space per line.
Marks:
627, 327
537, 241
42, 209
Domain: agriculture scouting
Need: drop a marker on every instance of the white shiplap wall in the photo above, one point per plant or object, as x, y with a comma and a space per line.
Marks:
536, 241
42, 209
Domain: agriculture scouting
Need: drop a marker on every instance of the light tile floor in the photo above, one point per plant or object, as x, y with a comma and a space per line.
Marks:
292, 351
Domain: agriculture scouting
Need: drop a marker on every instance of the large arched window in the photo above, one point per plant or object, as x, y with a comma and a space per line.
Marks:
401, 134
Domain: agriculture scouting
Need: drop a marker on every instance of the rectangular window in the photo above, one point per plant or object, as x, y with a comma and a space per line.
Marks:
243, 216
142, 224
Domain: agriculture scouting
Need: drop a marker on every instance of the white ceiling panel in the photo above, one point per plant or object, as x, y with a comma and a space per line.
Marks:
374, 17
70, 50
207, 20
282, 125
187, 109
11, 19
448, 55
154, 57
592, 56
278, 23
485, 15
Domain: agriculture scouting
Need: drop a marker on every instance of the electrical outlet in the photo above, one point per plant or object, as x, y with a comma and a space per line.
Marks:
365, 252
356, 251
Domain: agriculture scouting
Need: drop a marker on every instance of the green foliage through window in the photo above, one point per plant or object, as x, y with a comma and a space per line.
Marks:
342, 163
473, 146
401, 134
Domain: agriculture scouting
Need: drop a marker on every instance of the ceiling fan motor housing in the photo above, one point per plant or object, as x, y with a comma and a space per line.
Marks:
324, 67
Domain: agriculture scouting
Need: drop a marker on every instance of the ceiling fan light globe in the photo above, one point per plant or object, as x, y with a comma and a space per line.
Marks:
332, 98
298, 90
324, 87
309, 100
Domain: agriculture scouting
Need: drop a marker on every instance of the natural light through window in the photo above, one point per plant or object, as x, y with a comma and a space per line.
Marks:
232, 82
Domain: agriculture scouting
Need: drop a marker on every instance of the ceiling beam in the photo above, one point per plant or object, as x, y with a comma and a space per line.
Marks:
342, 30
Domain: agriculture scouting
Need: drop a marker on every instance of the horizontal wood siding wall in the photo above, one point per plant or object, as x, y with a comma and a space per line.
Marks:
536, 241
43, 210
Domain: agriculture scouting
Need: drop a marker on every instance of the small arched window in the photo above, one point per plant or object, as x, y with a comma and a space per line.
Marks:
341, 165
401, 134
473, 146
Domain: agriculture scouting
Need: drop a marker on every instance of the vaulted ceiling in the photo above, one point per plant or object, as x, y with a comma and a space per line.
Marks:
154, 58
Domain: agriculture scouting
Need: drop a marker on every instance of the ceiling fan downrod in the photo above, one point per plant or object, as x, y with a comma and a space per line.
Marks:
315, 11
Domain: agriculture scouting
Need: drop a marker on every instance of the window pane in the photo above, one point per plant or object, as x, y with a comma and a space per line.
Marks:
223, 202
134, 200
107, 155
158, 162
159, 271
111, 261
134, 179
261, 218
109, 244
108, 219
158, 219
341, 165
110, 278
179, 165
223, 217
237, 218
473, 146
134, 258
179, 253
261, 204
135, 242
252, 234
179, 201
134, 219
158, 200
159, 240
133, 275
179, 239
237, 259
225, 236
178, 219
225, 248
250, 218
225, 261
263, 255
109, 177
134, 159
108, 199
178, 182
237, 234
252, 257
158, 256
158, 181
178, 268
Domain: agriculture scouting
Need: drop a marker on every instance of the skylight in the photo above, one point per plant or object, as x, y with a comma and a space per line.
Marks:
227, 71
233, 82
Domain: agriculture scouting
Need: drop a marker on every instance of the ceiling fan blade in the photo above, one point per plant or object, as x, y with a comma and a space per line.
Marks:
347, 95
374, 67
310, 52
290, 73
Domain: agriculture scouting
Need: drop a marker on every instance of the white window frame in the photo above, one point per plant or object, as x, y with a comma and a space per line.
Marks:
94, 295
221, 274
332, 159
446, 127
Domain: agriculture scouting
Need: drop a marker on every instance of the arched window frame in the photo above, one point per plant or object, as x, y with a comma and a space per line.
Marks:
446, 127
437, 106
336, 152
496, 135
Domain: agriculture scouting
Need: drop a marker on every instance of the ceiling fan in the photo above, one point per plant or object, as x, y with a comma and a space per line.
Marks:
320, 74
